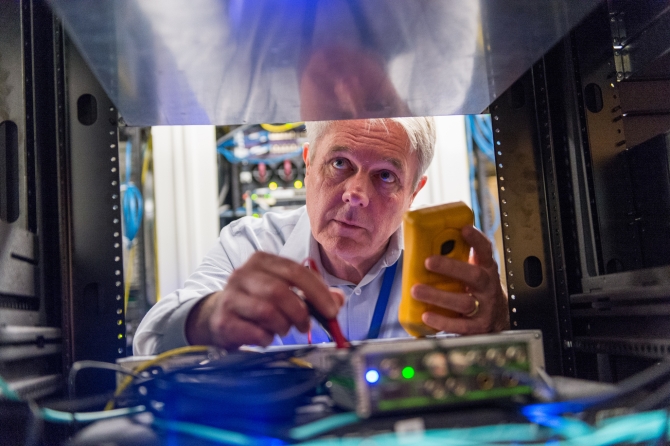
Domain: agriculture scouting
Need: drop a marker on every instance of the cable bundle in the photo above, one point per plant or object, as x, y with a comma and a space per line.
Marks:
239, 391
247, 398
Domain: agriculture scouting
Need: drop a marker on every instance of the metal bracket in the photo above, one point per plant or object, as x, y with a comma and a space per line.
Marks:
621, 59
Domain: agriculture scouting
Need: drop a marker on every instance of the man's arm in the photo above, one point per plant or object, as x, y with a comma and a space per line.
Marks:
250, 306
162, 328
482, 283
258, 302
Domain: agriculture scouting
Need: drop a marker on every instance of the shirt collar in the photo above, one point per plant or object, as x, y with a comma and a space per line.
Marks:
393, 251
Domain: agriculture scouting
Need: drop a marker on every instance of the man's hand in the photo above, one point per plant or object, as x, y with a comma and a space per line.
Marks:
482, 283
258, 303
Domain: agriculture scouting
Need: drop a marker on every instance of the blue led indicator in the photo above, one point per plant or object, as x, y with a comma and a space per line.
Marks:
372, 376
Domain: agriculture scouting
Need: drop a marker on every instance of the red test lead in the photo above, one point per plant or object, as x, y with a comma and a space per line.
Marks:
331, 326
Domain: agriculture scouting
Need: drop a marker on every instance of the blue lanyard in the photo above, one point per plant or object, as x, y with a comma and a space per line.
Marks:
382, 302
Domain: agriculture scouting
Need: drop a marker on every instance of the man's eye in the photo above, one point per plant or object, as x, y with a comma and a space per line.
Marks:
387, 176
339, 163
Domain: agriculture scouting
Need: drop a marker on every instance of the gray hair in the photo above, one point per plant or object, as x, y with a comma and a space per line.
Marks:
420, 132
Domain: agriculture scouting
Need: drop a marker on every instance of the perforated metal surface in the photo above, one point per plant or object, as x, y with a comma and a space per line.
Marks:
234, 61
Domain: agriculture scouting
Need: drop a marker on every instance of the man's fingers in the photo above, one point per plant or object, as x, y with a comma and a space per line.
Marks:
237, 332
481, 246
277, 293
458, 302
264, 314
471, 275
259, 301
458, 325
310, 283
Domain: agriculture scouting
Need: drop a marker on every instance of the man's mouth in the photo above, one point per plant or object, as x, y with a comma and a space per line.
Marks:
348, 224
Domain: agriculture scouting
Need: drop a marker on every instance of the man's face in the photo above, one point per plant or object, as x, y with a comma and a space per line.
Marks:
359, 183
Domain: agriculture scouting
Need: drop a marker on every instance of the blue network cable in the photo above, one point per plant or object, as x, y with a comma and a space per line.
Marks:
231, 158
472, 172
132, 202
479, 131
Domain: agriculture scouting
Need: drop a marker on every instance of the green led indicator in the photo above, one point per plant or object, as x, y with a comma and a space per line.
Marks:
254, 196
408, 373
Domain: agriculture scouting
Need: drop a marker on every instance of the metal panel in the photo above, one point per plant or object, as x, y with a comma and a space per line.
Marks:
12, 91
224, 62
19, 302
21, 334
611, 198
647, 109
17, 265
530, 215
28, 346
96, 307
9, 353
641, 347
37, 387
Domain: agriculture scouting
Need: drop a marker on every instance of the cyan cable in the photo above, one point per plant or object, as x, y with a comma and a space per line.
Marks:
8, 392
58, 416
324, 425
475, 436
214, 434
628, 429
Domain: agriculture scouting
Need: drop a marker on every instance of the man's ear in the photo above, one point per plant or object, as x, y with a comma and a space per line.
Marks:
305, 154
422, 182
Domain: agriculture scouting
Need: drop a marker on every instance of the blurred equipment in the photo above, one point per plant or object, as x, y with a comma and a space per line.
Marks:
342, 59
387, 377
260, 169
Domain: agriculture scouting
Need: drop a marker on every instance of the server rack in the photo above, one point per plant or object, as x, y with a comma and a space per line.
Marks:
62, 281
582, 164
577, 257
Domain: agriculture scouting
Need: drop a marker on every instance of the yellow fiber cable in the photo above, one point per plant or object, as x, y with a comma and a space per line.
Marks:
129, 277
301, 363
147, 164
278, 128
152, 362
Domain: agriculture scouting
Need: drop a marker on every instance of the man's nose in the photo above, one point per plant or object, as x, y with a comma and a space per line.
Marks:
357, 191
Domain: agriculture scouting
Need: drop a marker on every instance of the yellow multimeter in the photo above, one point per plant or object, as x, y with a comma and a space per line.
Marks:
429, 231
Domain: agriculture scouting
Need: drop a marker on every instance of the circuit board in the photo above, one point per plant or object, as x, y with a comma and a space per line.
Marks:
412, 374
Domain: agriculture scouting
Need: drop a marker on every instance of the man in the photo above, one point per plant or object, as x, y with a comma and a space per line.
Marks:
361, 176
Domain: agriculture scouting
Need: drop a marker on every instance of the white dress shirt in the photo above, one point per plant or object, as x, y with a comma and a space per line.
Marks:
288, 235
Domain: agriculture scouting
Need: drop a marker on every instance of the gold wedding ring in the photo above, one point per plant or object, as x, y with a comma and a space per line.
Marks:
476, 310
